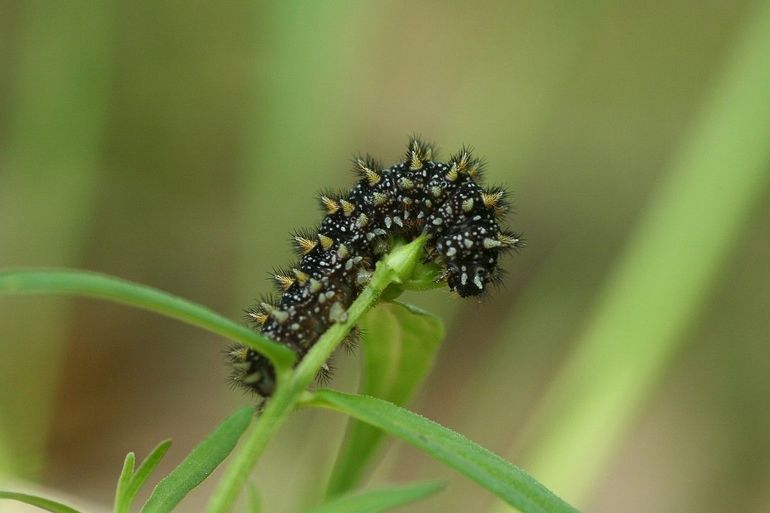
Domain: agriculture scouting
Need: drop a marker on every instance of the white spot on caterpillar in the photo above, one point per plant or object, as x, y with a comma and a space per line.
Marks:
437, 221
477, 282
337, 313
363, 277
280, 316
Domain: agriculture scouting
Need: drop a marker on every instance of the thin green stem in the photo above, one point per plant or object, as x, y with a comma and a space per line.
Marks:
394, 268
88, 284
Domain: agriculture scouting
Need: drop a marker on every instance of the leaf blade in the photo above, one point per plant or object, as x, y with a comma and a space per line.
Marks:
40, 502
492, 472
399, 347
142, 474
126, 475
381, 499
199, 464
101, 286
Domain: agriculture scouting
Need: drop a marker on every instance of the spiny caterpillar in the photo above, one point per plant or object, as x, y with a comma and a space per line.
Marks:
416, 196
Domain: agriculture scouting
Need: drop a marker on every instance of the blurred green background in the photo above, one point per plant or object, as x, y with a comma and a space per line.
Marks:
177, 143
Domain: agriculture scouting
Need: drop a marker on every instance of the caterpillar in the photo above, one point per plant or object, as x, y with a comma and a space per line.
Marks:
417, 195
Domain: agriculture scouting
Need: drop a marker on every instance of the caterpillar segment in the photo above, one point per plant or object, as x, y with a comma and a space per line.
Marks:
418, 195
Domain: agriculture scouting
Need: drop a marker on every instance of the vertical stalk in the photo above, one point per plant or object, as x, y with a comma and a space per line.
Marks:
664, 276
47, 177
394, 268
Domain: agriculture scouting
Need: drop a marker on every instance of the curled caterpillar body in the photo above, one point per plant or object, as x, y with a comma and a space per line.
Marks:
415, 196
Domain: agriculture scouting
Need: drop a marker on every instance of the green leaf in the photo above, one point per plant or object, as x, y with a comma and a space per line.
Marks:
88, 284
40, 502
199, 464
124, 498
505, 480
126, 474
382, 499
399, 346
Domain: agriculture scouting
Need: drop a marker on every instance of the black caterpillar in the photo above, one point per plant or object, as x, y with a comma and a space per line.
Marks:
415, 196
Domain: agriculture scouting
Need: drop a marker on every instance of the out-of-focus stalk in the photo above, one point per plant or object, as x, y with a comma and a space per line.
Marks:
49, 167
663, 277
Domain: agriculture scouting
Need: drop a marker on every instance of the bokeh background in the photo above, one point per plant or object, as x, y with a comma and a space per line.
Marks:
177, 143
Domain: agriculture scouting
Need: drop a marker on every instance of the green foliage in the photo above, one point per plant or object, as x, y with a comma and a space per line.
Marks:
396, 361
130, 482
122, 499
196, 467
378, 500
88, 284
508, 482
199, 464
40, 502
399, 346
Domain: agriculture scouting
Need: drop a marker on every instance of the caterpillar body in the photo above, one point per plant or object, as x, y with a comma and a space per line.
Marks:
418, 195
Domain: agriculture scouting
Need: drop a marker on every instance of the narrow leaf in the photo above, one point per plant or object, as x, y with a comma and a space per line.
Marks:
500, 477
40, 502
199, 464
399, 346
126, 474
143, 472
382, 499
89, 284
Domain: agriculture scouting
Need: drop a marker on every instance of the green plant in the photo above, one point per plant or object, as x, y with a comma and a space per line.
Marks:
396, 360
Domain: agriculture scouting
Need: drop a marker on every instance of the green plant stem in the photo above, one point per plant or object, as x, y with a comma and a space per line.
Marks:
95, 285
396, 267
